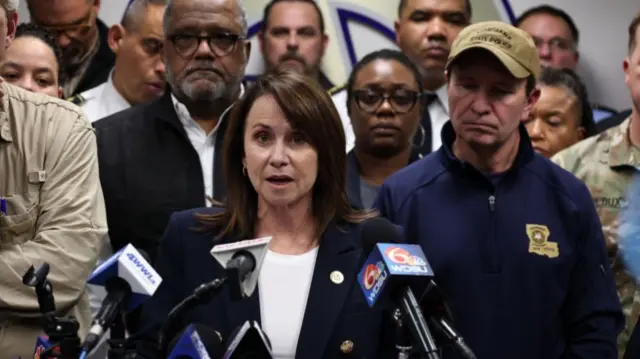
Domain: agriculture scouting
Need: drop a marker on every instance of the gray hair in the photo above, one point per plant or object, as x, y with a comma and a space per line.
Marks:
10, 5
135, 12
242, 18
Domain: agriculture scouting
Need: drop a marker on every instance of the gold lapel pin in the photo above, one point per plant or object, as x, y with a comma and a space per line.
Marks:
346, 347
336, 277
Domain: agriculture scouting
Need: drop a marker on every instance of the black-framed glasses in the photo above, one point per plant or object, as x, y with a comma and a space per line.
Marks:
77, 30
401, 100
221, 43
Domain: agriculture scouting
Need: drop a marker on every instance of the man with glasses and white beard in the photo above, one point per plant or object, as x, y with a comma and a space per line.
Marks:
162, 157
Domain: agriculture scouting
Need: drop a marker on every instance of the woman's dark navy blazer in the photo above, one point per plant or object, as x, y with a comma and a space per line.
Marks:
336, 312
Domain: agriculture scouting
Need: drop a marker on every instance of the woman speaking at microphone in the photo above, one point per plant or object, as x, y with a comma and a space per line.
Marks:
285, 169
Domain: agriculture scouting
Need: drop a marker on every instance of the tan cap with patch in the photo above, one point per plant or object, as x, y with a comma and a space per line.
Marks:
512, 46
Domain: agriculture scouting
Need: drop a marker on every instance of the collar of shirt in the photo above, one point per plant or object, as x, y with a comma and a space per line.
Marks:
5, 127
111, 98
621, 151
443, 98
188, 122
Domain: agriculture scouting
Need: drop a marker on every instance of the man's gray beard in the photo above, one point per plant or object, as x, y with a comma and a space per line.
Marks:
193, 93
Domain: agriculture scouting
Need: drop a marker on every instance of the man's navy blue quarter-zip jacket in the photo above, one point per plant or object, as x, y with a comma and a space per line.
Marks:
520, 255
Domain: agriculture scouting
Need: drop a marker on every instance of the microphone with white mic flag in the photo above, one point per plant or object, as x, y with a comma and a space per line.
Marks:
242, 262
129, 280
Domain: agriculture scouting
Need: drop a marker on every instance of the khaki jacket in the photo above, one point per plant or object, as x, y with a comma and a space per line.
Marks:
54, 212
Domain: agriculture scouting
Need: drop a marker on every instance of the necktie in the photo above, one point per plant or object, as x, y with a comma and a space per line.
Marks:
422, 140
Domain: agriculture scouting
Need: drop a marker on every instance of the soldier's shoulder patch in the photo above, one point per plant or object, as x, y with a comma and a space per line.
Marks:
77, 100
336, 89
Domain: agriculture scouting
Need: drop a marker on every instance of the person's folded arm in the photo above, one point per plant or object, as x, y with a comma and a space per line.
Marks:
69, 229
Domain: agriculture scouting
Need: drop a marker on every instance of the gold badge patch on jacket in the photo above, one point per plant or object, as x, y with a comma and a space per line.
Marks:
539, 241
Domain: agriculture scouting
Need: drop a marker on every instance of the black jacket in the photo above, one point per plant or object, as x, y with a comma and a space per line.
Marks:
149, 169
336, 313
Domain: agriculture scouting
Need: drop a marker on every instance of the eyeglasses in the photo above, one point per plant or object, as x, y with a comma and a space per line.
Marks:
402, 101
78, 29
221, 43
556, 44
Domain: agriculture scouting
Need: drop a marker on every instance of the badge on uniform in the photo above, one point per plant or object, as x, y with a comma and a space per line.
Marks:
539, 241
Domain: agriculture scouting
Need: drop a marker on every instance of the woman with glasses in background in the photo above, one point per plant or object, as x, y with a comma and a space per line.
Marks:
385, 104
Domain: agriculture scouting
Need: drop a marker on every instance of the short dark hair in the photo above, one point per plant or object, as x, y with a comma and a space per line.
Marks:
267, 12
633, 32
310, 110
134, 12
467, 7
552, 11
569, 80
42, 34
384, 54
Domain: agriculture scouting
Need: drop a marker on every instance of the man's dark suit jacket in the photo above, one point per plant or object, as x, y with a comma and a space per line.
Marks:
148, 170
335, 313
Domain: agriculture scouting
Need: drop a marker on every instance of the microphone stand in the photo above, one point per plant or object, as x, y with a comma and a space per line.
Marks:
203, 294
62, 332
117, 341
413, 314
403, 342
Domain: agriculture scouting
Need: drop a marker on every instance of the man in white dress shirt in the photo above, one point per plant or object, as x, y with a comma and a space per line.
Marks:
425, 30
138, 74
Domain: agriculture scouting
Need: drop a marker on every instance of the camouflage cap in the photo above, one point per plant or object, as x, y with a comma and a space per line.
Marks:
512, 46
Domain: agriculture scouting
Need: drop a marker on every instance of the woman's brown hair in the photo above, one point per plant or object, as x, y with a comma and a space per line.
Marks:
309, 110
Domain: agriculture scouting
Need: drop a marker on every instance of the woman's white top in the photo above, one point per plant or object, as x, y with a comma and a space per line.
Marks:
284, 284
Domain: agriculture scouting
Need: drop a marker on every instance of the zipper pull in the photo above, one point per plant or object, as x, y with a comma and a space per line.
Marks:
492, 203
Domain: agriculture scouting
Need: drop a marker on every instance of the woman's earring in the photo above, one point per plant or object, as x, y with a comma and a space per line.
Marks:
244, 170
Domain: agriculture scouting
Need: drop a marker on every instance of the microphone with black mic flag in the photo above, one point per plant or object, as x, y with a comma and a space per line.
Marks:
248, 341
389, 271
434, 305
196, 341
129, 280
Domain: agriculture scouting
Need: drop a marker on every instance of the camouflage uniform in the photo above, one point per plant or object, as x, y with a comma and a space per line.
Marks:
607, 163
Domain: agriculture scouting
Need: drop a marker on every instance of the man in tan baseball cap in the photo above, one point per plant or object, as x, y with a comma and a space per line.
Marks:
491, 72
531, 252
512, 46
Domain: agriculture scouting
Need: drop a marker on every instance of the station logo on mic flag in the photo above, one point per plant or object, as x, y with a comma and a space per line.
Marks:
391, 260
131, 266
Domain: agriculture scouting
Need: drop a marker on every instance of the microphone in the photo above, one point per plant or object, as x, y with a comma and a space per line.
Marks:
403, 340
129, 280
42, 344
242, 262
196, 341
249, 341
388, 273
434, 304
